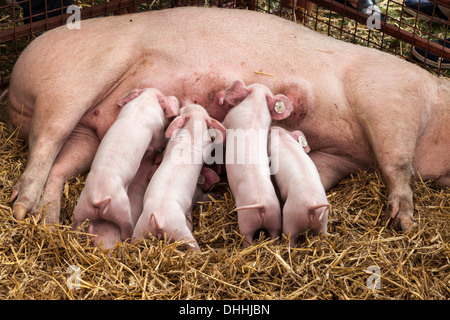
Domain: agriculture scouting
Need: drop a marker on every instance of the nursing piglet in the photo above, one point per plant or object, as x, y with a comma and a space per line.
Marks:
247, 165
305, 202
172, 188
206, 179
139, 128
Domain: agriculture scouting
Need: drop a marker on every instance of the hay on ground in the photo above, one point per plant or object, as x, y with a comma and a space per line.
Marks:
360, 258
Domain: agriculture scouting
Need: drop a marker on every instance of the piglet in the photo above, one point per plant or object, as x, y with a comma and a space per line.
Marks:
305, 202
104, 200
169, 197
206, 179
251, 110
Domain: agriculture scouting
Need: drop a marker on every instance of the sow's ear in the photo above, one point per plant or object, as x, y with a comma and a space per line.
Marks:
176, 124
280, 106
170, 105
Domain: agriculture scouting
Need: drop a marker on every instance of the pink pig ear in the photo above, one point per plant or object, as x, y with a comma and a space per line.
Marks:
130, 96
176, 124
301, 139
170, 105
207, 178
280, 106
318, 210
236, 93
221, 132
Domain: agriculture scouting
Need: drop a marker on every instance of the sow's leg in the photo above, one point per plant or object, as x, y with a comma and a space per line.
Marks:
75, 157
393, 136
48, 132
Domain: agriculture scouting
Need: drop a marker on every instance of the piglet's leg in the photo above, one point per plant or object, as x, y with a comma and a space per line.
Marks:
75, 158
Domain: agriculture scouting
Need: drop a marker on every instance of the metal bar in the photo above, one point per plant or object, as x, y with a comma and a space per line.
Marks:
50, 23
389, 29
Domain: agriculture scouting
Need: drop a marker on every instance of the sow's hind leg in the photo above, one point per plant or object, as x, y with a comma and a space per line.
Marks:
393, 129
433, 151
50, 127
75, 158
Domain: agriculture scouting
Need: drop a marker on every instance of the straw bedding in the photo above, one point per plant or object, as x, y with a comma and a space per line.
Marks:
43, 262
47, 262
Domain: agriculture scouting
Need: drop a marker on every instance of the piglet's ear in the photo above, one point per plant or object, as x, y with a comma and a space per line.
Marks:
207, 178
170, 105
221, 132
236, 93
176, 124
301, 139
318, 211
130, 96
280, 106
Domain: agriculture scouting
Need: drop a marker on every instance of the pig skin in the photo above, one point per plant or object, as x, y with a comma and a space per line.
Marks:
252, 110
105, 198
357, 106
305, 202
172, 190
